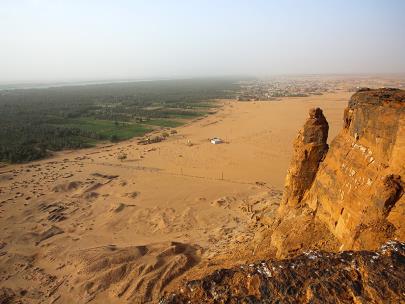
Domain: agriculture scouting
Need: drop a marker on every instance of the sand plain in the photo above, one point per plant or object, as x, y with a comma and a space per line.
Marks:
84, 226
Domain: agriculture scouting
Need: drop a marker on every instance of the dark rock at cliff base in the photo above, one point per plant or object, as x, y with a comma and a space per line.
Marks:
312, 277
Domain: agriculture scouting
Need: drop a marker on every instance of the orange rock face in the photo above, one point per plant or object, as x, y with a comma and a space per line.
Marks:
357, 191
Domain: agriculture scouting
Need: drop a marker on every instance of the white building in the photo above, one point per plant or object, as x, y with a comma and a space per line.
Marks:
216, 141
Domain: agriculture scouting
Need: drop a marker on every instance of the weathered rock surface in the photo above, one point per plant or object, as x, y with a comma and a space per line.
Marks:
313, 277
357, 192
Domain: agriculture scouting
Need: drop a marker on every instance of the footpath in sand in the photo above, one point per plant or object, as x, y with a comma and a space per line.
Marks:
84, 225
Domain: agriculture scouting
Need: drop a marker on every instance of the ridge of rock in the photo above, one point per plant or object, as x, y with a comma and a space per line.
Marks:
312, 277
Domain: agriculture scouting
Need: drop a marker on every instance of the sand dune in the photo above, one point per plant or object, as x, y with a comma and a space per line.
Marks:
85, 226
134, 273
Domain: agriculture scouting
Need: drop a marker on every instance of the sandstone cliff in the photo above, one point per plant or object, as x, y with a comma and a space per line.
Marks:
355, 198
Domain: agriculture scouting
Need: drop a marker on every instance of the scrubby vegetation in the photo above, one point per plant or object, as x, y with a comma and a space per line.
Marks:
36, 121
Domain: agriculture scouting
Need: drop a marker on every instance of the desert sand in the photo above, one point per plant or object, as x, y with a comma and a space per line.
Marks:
85, 226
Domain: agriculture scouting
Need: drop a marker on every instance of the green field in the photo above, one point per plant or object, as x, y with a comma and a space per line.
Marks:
35, 122
166, 123
107, 128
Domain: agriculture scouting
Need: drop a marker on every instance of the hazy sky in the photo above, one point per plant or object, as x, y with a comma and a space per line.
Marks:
53, 40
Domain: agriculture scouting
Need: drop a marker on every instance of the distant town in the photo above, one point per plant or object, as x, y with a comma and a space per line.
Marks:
274, 88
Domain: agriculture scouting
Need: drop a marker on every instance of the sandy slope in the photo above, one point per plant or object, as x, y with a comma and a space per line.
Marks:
84, 225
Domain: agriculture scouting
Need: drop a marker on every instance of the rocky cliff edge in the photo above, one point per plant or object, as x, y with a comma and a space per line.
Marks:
355, 198
339, 198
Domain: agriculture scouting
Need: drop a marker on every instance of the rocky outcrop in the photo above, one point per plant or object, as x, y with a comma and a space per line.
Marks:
357, 191
338, 199
312, 277
310, 148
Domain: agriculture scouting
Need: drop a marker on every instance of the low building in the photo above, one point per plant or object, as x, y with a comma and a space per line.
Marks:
216, 141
